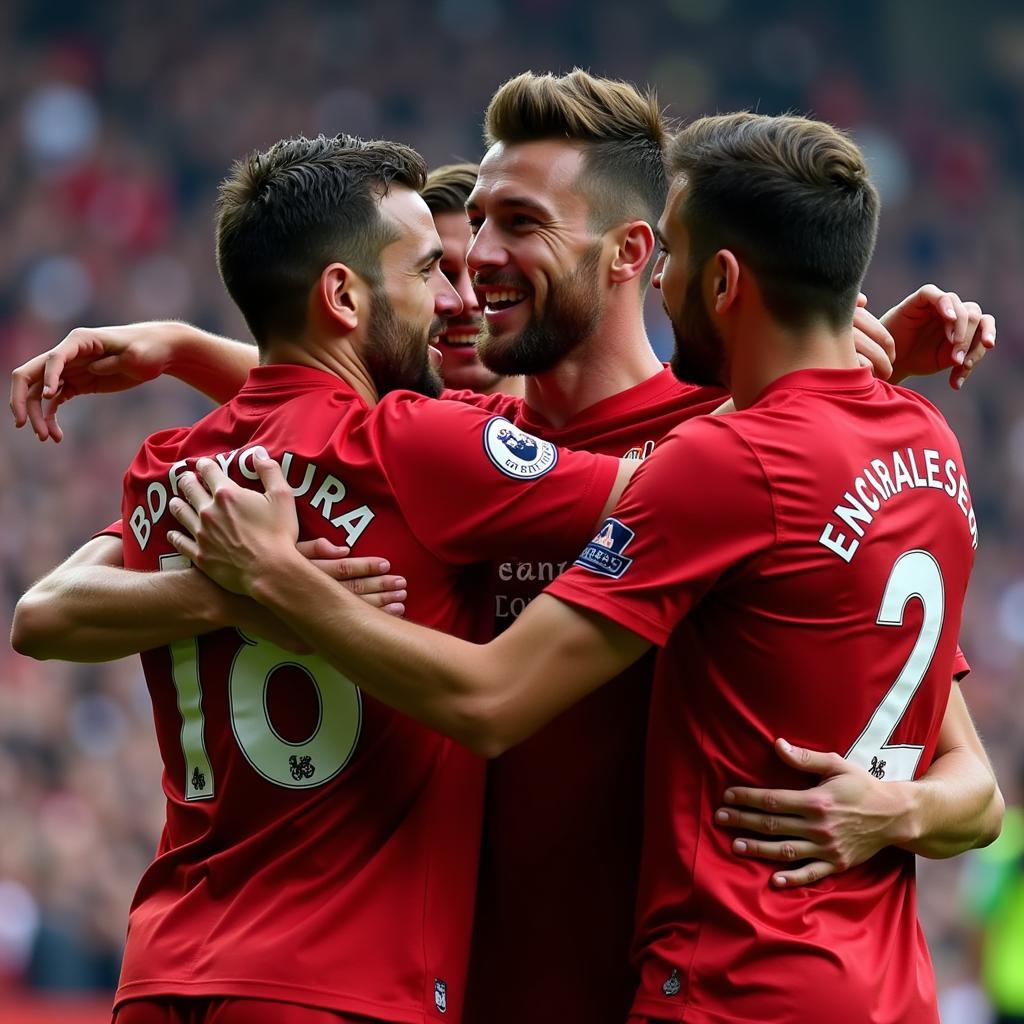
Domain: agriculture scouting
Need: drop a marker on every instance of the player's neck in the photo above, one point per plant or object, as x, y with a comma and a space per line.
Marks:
777, 351
617, 357
514, 386
340, 360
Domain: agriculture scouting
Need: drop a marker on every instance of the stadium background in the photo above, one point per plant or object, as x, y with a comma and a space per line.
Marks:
116, 122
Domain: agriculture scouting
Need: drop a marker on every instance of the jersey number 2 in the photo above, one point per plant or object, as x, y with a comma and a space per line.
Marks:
914, 574
303, 765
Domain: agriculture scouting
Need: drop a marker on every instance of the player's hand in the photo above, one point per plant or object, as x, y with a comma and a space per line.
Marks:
369, 576
935, 330
838, 824
875, 346
88, 361
236, 533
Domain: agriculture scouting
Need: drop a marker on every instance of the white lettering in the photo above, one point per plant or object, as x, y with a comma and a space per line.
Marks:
173, 473
887, 490
950, 489
331, 491
158, 491
246, 461
931, 465
836, 543
140, 526
354, 522
866, 496
901, 474
307, 480
850, 516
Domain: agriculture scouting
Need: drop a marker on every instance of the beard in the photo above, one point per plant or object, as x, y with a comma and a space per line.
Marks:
699, 356
572, 313
397, 354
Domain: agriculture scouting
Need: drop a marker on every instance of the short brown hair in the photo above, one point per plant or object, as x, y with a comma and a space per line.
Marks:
448, 187
621, 129
285, 213
791, 197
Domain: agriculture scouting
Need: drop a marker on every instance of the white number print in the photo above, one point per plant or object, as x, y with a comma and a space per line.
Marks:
302, 765
914, 574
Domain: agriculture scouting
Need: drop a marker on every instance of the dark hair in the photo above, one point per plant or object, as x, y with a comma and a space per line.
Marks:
448, 187
791, 197
287, 212
621, 130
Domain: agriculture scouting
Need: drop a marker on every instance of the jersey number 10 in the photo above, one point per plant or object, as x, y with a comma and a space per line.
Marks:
304, 765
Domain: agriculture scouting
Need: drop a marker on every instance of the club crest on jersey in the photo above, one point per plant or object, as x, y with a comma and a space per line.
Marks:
440, 996
604, 554
516, 453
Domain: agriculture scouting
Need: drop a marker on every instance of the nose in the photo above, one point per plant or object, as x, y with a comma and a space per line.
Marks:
447, 302
464, 286
485, 250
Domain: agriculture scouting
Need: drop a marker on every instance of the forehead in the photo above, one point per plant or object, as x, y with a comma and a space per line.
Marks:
410, 220
670, 222
544, 171
453, 228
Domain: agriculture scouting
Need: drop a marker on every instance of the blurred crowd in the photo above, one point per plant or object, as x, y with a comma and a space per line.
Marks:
118, 120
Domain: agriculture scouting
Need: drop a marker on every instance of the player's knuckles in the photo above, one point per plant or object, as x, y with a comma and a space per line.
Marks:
788, 851
768, 824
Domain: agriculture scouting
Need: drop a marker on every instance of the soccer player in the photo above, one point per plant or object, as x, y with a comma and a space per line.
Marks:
568, 191
445, 193
320, 850
802, 563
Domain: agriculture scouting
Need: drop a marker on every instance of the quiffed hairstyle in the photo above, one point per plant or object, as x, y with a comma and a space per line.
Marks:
287, 212
448, 187
621, 129
790, 197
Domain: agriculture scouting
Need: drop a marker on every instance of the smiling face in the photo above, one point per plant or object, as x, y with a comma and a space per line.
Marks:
409, 309
534, 258
699, 356
461, 368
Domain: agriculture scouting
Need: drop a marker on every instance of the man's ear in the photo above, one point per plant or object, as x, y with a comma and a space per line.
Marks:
726, 280
341, 295
633, 247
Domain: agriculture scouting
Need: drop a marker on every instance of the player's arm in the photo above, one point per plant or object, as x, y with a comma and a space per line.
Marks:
92, 609
488, 697
955, 806
93, 360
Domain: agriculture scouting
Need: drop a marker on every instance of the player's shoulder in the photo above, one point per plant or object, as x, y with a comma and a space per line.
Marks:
160, 448
498, 404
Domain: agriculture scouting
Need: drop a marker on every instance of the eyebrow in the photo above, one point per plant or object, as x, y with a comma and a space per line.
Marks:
522, 202
434, 254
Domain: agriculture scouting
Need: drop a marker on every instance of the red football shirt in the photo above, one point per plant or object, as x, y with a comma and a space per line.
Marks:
320, 847
804, 564
563, 824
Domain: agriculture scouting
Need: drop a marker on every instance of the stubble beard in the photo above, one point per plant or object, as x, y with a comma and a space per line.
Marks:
573, 310
397, 355
699, 356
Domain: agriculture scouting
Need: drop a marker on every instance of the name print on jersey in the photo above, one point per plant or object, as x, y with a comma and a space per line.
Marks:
329, 492
884, 479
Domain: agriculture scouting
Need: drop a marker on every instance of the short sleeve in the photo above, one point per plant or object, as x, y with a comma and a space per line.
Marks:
961, 666
115, 529
498, 404
698, 507
474, 487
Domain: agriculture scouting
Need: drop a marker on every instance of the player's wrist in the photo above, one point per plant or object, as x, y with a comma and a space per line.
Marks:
906, 811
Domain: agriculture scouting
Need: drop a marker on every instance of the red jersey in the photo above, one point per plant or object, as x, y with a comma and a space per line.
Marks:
563, 824
320, 847
803, 563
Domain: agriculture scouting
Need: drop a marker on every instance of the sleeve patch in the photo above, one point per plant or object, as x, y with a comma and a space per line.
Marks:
516, 453
604, 554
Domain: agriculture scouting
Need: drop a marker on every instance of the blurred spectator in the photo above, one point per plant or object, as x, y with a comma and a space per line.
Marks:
117, 121
994, 889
